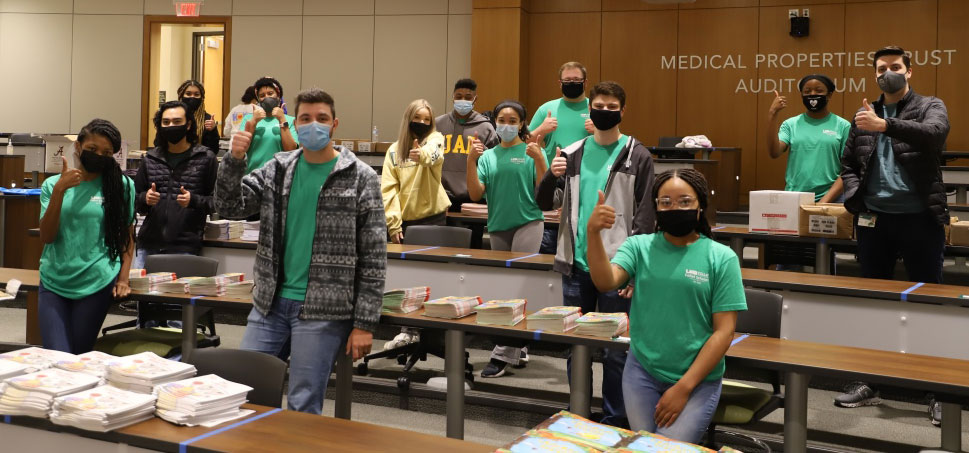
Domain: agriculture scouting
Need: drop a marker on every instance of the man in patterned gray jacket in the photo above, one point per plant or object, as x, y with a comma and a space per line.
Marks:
322, 253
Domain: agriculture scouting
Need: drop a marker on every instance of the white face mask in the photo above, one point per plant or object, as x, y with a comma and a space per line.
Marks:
507, 132
463, 107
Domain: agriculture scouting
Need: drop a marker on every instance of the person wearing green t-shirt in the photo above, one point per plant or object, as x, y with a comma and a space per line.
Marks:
683, 315
815, 139
86, 217
271, 128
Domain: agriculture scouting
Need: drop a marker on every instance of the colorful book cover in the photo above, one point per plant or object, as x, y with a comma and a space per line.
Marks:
554, 312
536, 441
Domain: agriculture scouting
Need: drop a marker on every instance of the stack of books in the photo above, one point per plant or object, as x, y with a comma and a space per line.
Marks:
32, 394
93, 363
250, 231
136, 273
150, 282
223, 229
474, 209
501, 312
212, 286
451, 307
554, 319
605, 325
102, 409
552, 216
9, 369
36, 359
142, 372
239, 290
178, 286
201, 400
406, 300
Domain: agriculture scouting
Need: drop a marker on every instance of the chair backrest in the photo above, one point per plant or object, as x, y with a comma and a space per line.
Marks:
763, 315
182, 265
669, 142
263, 372
441, 236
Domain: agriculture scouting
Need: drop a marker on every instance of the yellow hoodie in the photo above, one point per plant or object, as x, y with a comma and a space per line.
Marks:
413, 190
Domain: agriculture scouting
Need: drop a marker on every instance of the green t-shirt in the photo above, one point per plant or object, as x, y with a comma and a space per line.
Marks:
174, 159
304, 195
814, 160
571, 128
76, 264
597, 161
267, 140
508, 175
678, 289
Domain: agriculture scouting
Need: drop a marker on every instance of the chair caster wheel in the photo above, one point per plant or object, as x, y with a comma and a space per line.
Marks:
402, 360
362, 369
403, 383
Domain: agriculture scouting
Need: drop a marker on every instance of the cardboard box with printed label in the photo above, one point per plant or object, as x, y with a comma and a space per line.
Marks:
959, 233
826, 220
777, 211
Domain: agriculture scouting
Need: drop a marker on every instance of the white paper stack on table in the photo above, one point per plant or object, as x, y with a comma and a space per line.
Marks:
552, 216
32, 394
501, 312
406, 300
178, 286
10, 291
250, 231
201, 400
136, 273
451, 307
605, 325
102, 409
554, 319
223, 229
240, 290
142, 372
93, 363
212, 286
474, 209
150, 282
37, 359
9, 369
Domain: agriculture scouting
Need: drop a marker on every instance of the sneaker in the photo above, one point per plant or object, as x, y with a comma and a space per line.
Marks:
857, 394
935, 412
495, 368
522, 361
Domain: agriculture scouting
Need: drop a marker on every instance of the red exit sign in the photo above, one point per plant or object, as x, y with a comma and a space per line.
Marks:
191, 9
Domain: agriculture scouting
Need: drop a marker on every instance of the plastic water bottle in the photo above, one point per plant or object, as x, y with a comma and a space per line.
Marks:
374, 136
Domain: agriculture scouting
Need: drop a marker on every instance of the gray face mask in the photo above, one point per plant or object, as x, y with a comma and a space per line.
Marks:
891, 82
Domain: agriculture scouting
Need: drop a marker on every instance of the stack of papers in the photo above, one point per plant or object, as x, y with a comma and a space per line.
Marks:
150, 282
501, 312
212, 286
93, 363
605, 325
102, 409
142, 372
223, 229
10, 292
554, 319
32, 394
9, 369
250, 231
37, 359
406, 300
239, 290
552, 216
474, 209
136, 273
451, 307
204, 399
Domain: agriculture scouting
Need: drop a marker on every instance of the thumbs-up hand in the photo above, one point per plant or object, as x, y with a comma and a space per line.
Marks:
152, 196
241, 141
779, 103
558, 163
590, 126
533, 149
549, 124
70, 177
184, 197
867, 120
415, 151
475, 147
603, 216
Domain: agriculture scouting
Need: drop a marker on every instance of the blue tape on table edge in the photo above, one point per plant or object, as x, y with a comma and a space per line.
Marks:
403, 255
183, 445
192, 300
739, 339
6, 419
537, 335
913, 288
508, 262
717, 228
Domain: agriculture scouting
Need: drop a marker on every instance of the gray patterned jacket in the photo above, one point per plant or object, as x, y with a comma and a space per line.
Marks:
349, 259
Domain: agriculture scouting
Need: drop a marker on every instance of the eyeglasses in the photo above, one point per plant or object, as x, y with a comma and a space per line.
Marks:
572, 80
665, 203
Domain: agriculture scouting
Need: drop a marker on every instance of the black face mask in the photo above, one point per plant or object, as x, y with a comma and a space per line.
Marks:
815, 102
96, 163
605, 119
678, 222
173, 134
572, 90
420, 129
192, 103
268, 103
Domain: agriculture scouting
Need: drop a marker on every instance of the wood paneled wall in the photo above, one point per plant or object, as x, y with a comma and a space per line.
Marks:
518, 45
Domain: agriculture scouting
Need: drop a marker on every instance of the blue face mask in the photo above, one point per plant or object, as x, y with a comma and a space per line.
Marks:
507, 132
463, 107
313, 136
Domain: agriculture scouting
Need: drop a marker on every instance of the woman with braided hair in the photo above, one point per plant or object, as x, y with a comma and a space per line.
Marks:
86, 217
192, 94
683, 312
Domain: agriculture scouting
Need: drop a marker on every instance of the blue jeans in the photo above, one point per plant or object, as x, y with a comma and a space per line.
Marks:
550, 240
315, 346
71, 325
579, 291
643, 392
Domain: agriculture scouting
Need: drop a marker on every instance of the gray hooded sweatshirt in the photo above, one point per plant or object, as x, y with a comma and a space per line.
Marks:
456, 134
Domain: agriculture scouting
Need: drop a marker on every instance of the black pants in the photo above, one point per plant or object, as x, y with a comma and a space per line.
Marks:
917, 238
436, 219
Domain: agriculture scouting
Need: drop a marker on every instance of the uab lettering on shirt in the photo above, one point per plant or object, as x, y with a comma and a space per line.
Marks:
459, 147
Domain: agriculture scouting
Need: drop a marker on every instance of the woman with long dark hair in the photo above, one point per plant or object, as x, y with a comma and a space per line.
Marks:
192, 94
86, 227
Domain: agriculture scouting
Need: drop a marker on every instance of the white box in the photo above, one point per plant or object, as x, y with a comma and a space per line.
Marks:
776, 211
57, 146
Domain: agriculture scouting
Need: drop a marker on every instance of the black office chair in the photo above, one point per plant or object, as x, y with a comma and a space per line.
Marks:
669, 153
741, 404
432, 340
263, 372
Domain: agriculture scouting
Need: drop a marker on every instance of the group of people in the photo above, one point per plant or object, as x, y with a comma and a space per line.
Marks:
628, 240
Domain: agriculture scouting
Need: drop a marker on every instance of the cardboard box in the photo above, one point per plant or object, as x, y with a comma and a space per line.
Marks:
826, 220
959, 233
777, 211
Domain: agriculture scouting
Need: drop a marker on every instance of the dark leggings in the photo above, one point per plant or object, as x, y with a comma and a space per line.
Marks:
72, 325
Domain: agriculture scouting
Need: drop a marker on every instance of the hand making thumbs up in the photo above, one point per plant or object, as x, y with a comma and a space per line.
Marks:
184, 197
415, 151
549, 124
152, 196
779, 103
867, 120
558, 163
70, 177
603, 216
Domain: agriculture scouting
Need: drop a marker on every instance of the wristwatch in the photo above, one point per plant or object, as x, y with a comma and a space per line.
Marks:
285, 124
